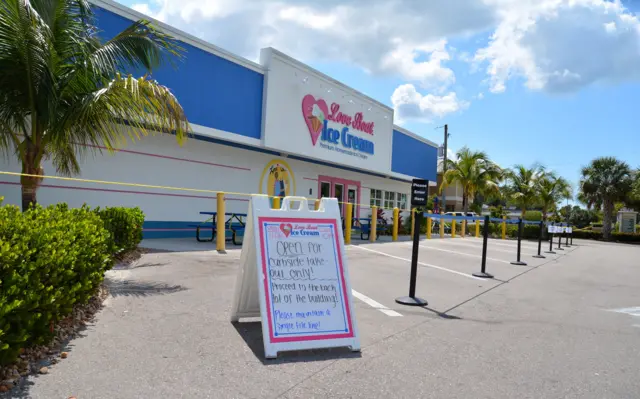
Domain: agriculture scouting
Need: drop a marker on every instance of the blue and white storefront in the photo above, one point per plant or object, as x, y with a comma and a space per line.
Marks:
277, 127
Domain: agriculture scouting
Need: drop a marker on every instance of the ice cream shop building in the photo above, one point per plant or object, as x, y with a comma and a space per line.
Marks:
276, 127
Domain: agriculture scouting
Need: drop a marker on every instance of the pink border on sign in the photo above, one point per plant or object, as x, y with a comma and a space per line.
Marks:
347, 306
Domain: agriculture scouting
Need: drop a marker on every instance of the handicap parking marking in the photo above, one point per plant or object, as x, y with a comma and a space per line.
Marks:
444, 269
374, 304
463, 253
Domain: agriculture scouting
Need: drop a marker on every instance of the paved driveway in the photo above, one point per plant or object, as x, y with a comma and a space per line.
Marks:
562, 327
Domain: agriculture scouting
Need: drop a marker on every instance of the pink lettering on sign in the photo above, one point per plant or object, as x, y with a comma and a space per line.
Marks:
338, 116
360, 124
315, 112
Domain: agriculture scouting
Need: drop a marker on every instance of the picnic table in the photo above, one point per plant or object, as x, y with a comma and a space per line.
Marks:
363, 225
235, 227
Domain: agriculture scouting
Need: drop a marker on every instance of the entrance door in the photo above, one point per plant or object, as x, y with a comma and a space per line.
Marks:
342, 189
338, 192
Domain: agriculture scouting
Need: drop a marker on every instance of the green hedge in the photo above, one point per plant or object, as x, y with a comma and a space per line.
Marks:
124, 226
50, 259
615, 236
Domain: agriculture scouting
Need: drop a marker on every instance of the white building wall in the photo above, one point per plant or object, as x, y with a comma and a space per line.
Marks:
159, 160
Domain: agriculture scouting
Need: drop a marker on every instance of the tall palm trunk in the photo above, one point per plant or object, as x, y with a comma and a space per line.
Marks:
607, 219
465, 203
30, 166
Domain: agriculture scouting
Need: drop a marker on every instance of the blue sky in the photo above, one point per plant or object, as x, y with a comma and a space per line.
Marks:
548, 81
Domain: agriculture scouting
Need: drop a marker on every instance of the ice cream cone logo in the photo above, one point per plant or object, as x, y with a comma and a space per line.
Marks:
314, 112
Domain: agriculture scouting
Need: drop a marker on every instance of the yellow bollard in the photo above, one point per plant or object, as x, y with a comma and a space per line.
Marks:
453, 228
374, 223
396, 219
276, 202
429, 223
317, 204
477, 228
504, 227
464, 228
441, 225
220, 223
413, 221
347, 223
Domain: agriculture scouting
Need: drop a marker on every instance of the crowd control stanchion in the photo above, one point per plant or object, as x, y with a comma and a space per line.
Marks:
550, 230
539, 255
518, 261
418, 198
566, 235
485, 238
571, 233
560, 240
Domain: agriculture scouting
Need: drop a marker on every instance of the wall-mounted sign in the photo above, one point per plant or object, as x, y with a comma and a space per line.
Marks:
419, 192
319, 118
311, 115
277, 179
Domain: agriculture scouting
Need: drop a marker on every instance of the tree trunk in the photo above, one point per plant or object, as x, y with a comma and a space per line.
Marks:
524, 210
607, 219
29, 183
465, 203
544, 213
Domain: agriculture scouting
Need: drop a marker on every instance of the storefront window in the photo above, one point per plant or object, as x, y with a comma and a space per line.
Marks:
376, 197
389, 199
402, 201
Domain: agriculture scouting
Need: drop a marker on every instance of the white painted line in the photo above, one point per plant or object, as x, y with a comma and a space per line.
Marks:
444, 269
489, 248
375, 305
514, 245
465, 254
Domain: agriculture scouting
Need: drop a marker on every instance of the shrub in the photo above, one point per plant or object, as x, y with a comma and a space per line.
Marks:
50, 259
124, 225
625, 237
534, 216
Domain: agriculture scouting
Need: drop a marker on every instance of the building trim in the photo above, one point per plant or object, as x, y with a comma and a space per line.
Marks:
415, 136
134, 15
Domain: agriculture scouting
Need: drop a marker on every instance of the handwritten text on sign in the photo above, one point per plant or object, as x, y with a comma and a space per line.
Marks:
304, 280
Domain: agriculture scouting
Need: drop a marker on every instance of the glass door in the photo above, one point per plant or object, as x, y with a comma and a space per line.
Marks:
338, 192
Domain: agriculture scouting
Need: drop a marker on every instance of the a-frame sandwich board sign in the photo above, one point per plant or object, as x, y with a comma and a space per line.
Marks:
294, 276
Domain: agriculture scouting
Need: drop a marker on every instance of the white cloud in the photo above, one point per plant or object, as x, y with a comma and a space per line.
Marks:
562, 45
403, 38
409, 104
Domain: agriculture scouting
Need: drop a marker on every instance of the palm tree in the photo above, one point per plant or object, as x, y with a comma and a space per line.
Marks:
474, 172
522, 185
61, 87
551, 190
604, 182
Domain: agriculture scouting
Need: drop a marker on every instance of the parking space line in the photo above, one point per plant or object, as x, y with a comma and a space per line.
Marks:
465, 254
528, 245
444, 269
374, 304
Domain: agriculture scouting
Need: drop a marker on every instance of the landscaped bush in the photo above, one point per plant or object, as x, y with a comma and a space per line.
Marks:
124, 226
588, 234
533, 216
50, 260
625, 237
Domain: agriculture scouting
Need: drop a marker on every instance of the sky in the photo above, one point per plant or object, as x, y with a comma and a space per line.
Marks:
548, 81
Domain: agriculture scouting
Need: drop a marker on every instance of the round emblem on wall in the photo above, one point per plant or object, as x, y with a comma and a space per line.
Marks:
277, 179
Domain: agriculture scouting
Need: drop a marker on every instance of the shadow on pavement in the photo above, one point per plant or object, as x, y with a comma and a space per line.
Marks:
251, 332
140, 288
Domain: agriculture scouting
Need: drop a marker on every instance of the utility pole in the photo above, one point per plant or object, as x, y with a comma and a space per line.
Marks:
443, 204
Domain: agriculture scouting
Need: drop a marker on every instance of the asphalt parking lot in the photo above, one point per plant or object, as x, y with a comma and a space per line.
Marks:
567, 326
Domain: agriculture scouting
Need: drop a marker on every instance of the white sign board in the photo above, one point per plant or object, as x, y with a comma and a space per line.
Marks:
309, 114
294, 275
552, 229
570, 230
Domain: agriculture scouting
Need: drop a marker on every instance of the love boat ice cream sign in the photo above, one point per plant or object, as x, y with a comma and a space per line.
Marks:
318, 119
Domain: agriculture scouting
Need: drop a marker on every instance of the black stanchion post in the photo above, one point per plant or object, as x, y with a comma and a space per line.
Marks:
560, 241
539, 255
572, 236
518, 261
566, 235
485, 238
550, 251
418, 198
